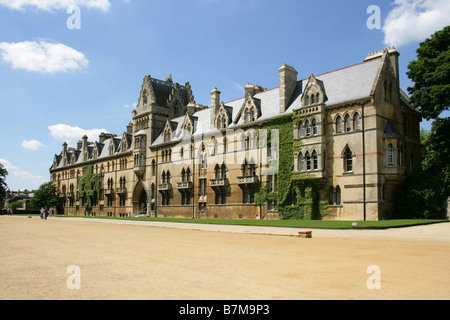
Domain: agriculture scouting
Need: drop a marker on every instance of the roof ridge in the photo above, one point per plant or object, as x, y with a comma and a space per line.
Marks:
353, 65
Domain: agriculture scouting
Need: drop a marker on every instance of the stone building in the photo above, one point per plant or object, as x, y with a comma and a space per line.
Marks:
352, 134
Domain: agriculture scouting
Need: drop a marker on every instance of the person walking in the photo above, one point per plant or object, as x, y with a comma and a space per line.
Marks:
42, 213
46, 213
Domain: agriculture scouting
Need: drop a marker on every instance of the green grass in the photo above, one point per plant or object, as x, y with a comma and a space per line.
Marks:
292, 223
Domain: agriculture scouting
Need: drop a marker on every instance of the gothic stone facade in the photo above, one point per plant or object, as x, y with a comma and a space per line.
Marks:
354, 131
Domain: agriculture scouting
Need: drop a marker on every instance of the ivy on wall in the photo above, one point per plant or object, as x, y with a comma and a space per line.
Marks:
89, 188
306, 204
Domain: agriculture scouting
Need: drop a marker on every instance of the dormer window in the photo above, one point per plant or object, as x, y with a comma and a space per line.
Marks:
314, 92
167, 135
250, 115
222, 121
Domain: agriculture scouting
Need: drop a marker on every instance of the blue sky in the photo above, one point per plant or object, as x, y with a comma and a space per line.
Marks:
58, 83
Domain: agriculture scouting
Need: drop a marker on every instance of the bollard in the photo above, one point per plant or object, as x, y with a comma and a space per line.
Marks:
305, 234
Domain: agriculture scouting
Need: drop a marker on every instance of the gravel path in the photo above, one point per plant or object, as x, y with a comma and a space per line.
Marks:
157, 260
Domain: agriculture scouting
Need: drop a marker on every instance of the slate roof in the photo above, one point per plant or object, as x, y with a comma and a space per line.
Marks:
342, 85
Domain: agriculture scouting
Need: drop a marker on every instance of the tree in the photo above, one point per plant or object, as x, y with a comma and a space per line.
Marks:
46, 196
424, 193
15, 205
431, 75
3, 186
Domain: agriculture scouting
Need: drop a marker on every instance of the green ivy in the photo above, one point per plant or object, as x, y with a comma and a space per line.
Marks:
90, 188
288, 182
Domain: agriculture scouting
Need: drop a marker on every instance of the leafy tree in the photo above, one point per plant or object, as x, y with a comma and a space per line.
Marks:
3, 186
424, 193
46, 196
15, 205
431, 75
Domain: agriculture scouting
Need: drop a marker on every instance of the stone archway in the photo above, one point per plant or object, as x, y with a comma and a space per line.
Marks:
140, 199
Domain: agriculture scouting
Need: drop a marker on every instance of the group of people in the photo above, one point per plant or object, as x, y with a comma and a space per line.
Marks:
44, 212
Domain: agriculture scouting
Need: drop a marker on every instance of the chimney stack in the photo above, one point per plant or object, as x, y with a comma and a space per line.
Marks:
288, 82
215, 104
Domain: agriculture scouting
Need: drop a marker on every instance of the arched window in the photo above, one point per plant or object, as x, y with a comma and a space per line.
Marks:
308, 161
302, 130
348, 160
348, 123
338, 196
217, 172
314, 127
219, 122
142, 160
152, 192
167, 135
338, 124
318, 98
331, 196
301, 162
308, 128
188, 175
153, 167
224, 171
357, 122
313, 99
390, 155
307, 100
315, 162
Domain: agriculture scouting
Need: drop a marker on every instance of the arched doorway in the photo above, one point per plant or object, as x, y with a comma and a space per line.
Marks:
140, 199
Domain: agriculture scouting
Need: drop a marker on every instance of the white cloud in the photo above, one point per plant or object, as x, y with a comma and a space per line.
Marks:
49, 5
71, 135
32, 145
415, 20
21, 177
44, 57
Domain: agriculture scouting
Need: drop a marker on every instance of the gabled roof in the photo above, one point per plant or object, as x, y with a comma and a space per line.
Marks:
347, 84
391, 131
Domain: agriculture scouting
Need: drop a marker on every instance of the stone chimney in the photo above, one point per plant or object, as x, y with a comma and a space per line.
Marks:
64, 154
130, 128
252, 89
288, 82
393, 56
101, 137
84, 147
191, 108
215, 104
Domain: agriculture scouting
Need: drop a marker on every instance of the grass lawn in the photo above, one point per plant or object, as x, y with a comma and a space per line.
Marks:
384, 224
